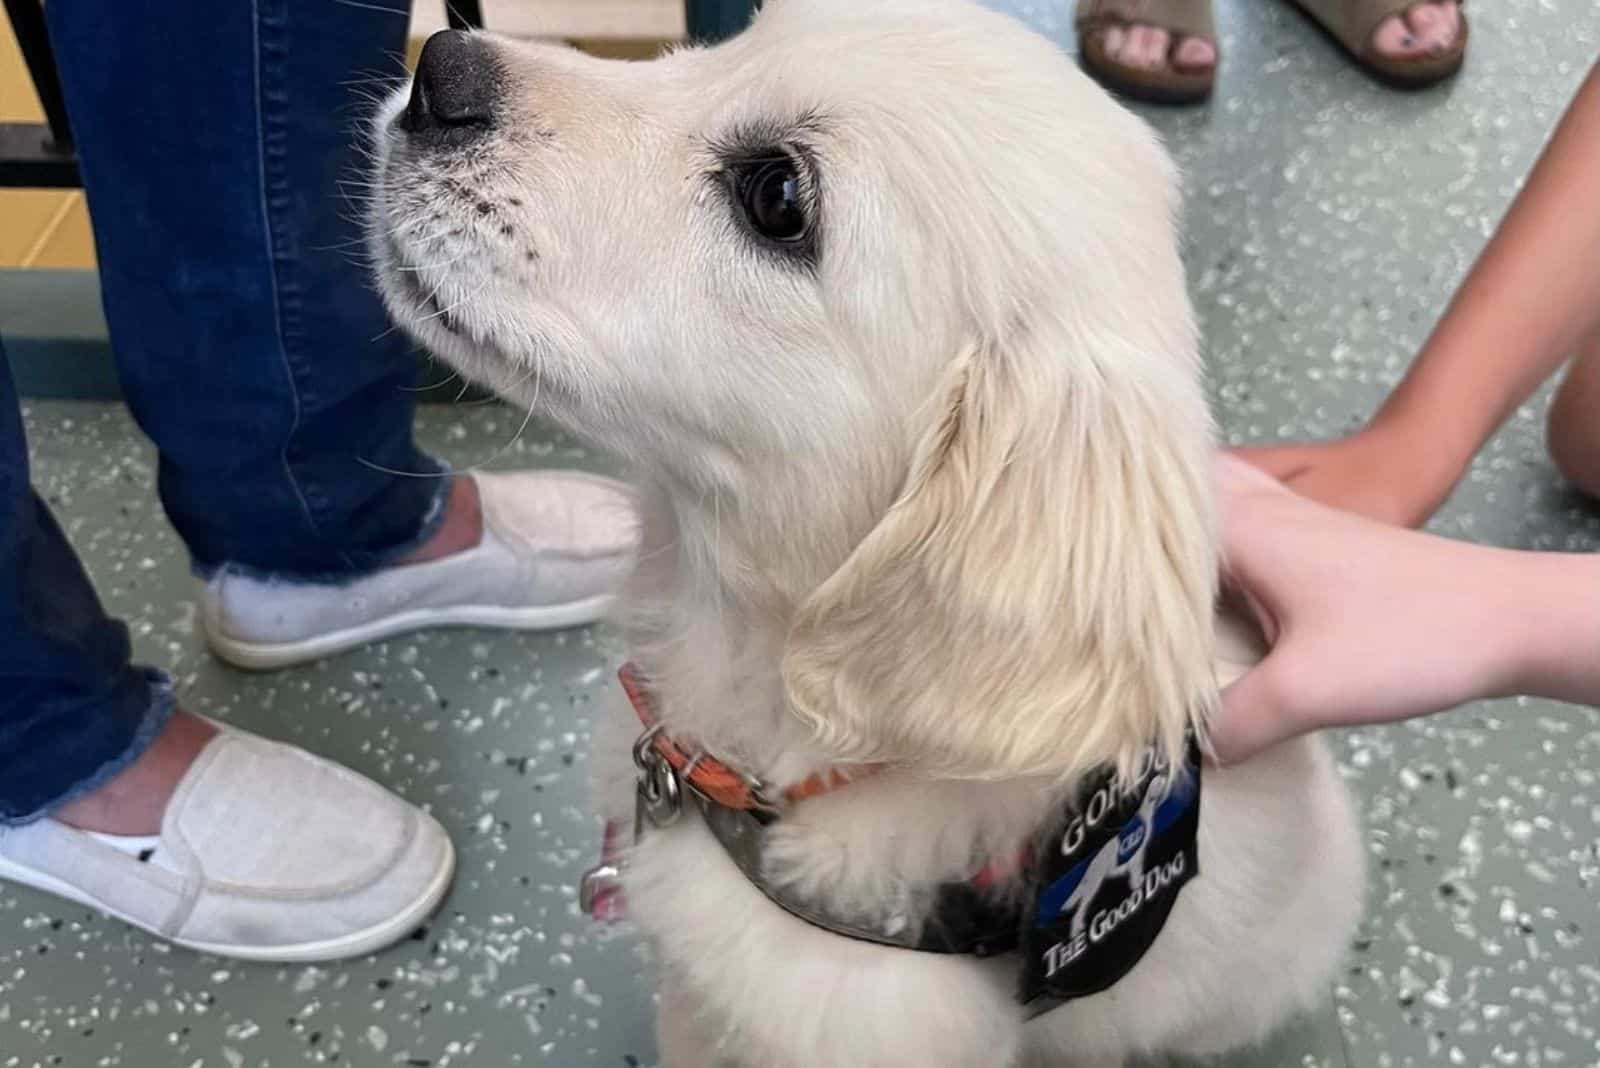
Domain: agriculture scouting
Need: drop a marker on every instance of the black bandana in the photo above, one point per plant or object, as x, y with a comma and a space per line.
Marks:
1106, 878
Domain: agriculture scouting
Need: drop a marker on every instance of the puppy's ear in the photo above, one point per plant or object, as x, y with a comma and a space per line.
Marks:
1039, 600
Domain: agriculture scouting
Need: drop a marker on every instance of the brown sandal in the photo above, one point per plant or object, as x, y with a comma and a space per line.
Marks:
1352, 24
1168, 85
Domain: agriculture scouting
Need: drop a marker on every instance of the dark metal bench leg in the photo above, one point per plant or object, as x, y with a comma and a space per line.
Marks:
27, 19
712, 20
709, 20
32, 154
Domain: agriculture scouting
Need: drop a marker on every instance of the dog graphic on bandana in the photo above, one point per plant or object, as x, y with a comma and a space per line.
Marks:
1121, 857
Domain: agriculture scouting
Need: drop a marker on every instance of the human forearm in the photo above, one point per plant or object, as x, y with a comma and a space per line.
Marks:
1552, 622
1529, 299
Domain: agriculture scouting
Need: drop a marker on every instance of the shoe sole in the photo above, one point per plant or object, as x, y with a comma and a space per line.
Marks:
358, 944
270, 656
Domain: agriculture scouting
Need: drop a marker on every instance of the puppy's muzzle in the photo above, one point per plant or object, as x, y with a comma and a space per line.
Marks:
456, 92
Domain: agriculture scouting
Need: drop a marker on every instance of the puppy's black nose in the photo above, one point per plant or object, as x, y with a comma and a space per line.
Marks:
456, 85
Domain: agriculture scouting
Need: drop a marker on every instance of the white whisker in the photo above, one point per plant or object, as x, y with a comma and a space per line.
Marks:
375, 7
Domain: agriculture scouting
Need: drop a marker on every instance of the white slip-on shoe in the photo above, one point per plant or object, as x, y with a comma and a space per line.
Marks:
266, 853
555, 547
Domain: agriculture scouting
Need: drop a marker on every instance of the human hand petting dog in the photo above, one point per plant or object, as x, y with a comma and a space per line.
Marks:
1370, 623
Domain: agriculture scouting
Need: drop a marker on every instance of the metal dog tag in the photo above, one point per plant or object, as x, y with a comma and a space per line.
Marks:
597, 882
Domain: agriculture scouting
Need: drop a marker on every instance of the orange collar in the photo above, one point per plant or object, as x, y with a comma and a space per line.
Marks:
713, 779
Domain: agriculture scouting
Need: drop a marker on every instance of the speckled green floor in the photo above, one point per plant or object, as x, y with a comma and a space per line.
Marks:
1327, 223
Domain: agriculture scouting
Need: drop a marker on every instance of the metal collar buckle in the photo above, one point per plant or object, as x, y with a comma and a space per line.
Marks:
659, 790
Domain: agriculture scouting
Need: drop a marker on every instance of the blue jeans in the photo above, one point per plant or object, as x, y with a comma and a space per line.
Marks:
214, 140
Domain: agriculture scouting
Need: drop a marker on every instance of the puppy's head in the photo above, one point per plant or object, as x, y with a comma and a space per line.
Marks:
899, 285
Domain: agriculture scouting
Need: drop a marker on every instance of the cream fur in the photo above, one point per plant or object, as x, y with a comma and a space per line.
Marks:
938, 500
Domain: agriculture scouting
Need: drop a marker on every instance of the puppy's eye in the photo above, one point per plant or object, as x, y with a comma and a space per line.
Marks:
772, 195
772, 199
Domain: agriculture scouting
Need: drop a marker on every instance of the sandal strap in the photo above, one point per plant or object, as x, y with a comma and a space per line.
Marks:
1353, 22
1182, 18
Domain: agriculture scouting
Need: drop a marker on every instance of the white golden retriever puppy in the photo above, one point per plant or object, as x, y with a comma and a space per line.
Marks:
882, 301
